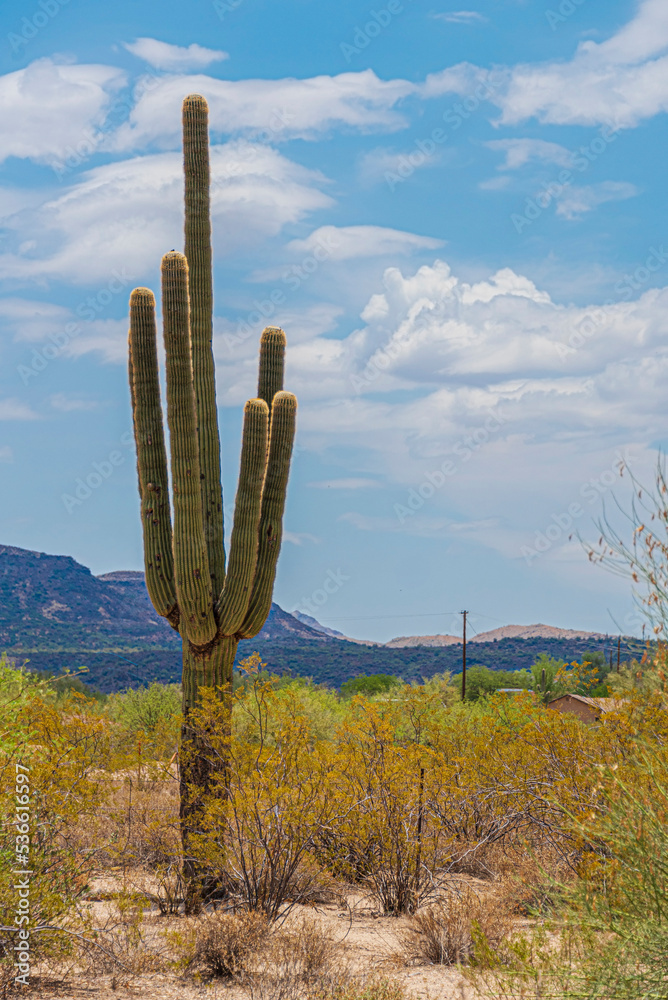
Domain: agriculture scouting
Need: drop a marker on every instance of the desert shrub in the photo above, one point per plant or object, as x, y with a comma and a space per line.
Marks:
609, 935
374, 988
143, 709
445, 933
121, 942
481, 681
386, 836
268, 798
62, 760
370, 686
319, 704
306, 954
219, 945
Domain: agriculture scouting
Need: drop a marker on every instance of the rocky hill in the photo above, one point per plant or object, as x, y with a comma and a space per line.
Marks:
505, 632
55, 614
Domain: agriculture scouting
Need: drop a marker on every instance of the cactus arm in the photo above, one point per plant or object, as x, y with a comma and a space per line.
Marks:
272, 360
151, 455
193, 583
236, 595
198, 255
281, 438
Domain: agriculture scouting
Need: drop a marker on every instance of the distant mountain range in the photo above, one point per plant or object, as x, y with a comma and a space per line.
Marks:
505, 632
56, 614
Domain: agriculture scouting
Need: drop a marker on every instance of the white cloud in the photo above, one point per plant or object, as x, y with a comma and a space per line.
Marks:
350, 242
620, 82
72, 404
299, 537
574, 202
271, 109
162, 55
519, 152
125, 215
14, 409
31, 320
460, 17
515, 389
49, 107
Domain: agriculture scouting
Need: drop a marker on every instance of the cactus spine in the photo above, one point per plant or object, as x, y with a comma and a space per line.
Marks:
211, 606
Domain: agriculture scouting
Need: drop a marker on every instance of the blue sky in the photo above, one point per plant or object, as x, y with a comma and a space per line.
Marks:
455, 212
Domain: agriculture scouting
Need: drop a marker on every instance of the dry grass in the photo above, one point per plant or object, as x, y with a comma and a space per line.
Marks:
220, 946
444, 933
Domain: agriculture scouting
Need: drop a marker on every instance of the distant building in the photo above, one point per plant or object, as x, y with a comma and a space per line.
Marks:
586, 709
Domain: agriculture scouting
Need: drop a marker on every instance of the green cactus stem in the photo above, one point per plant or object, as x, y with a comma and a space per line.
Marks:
211, 607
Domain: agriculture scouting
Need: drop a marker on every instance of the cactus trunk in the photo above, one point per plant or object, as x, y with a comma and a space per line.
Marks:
211, 606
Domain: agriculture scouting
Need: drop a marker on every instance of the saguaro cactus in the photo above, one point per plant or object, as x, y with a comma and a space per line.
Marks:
211, 605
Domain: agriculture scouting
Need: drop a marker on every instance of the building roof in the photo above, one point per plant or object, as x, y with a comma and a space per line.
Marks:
599, 704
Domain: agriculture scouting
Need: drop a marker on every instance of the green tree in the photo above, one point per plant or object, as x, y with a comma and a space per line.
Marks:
369, 686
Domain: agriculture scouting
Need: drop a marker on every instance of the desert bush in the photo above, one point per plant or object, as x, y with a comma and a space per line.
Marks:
370, 686
219, 945
307, 953
374, 988
386, 836
268, 798
142, 709
445, 933
62, 758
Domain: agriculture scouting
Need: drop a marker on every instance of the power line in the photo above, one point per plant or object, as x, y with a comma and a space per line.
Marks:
464, 614
366, 618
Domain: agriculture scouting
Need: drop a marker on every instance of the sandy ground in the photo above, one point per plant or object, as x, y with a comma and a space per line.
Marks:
369, 942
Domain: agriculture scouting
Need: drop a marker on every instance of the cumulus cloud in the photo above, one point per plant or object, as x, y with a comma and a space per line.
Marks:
48, 107
505, 386
274, 110
621, 81
162, 55
125, 215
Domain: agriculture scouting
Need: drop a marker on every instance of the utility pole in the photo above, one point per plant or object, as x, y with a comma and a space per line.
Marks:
464, 614
619, 651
